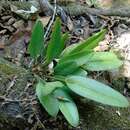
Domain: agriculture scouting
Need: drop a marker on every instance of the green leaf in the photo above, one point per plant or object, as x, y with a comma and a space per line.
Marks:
91, 42
68, 50
49, 87
62, 94
87, 45
79, 58
96, 91
98, 61
49, 102
80, 72
65, 68
56, 43
64, 39
68, 108
36, 44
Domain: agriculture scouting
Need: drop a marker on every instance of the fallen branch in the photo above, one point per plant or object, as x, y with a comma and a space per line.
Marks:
77, 9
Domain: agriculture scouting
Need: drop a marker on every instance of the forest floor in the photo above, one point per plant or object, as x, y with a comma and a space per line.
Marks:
15, 33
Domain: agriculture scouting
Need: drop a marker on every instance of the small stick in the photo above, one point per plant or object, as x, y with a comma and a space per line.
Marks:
51, 22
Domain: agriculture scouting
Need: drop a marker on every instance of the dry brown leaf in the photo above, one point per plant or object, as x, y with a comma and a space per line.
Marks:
45, 20
2, 46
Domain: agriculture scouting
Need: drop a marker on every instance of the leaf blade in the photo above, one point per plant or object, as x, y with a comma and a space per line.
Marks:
64, 39
56, 43
36, 44
68, 50
87, 45
49, 87
79, 58
49, 102
98, 61
96, 91
91, 42
80, 72
68, 108
65, 68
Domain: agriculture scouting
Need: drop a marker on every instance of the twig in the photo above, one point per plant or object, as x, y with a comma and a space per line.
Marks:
39, 121
77, 9
31, 63
51, 22
12, 83
4, 99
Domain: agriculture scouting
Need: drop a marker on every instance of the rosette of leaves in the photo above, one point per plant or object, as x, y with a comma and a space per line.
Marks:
69, 75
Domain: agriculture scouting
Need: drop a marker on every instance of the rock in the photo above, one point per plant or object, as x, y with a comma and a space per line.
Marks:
106, 4
122, 46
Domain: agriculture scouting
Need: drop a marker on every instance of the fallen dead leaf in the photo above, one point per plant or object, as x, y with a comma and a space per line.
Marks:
45, 20
2, 46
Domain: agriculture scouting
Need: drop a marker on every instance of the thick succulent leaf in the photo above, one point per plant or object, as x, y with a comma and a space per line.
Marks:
56, 43
80, 72
98, 61
79, 58
36, 45
68, 108
49, 102
65, 68
96, 91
